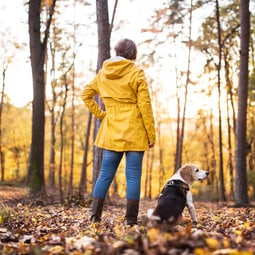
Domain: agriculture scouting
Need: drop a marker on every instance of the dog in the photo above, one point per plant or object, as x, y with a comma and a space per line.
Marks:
176, 194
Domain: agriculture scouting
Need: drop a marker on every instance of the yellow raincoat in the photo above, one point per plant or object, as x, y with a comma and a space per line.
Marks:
128, 123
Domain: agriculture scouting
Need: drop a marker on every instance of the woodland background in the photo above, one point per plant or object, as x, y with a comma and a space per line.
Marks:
190, 53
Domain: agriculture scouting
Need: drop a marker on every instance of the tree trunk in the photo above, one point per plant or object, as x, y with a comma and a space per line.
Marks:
70, 190
229, 133
181, 128
61, 133
151, 159
221, 173
83, 179
52, 168
37, 51
103, 54
52, 161
147, 176
161, 165
2, 154
177, 158
241, 195
230, 155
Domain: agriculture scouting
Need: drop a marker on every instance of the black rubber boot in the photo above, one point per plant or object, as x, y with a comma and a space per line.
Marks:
97, 208
132, 212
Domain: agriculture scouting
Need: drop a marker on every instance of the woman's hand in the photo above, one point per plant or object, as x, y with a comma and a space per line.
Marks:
151, 145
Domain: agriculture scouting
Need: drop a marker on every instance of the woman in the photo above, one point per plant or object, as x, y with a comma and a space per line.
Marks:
127, 125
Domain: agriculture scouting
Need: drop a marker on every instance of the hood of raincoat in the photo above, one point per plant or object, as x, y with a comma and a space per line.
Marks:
117, 67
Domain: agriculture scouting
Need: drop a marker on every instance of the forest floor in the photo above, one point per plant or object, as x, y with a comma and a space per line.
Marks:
43, 226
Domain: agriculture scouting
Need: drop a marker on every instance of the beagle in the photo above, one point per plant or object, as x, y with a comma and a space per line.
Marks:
176, 194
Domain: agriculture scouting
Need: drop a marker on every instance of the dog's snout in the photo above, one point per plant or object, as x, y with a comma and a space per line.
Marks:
207, 173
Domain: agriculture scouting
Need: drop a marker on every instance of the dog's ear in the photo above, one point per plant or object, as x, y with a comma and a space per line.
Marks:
186, 173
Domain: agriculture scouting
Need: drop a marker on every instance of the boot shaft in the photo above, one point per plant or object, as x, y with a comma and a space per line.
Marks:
97, 209
132, 212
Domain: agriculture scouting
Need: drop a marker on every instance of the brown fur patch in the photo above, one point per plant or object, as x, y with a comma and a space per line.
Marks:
186, 173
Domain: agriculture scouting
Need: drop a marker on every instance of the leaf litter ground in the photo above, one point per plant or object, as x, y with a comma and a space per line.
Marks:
36, 226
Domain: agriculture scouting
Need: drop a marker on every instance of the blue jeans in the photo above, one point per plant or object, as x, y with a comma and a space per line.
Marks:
110, 163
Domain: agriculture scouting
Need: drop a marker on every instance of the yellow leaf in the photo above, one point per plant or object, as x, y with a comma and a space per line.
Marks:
215, 218
246, 224
226, 244
201, 251
238, 232
168, 236
212, 243
153, 234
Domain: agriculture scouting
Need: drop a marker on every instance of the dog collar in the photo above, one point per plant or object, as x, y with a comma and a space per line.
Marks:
177, 183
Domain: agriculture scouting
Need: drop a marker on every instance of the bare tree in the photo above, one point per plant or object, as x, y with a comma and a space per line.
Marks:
148, 175
104, 33
181, 125
64, 94
83, 179
53, 117
38, 46
241, 194
218, 65
61, 132
2, 154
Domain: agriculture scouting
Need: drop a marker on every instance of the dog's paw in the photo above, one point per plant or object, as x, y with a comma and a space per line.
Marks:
149, 213
152, 220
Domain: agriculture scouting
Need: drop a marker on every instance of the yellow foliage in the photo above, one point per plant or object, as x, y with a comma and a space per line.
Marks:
238, 232
247, 224
226, 244
201, 251
153, 234
212, 243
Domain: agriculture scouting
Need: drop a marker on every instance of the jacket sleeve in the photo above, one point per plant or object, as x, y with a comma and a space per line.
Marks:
88, 94
145, 107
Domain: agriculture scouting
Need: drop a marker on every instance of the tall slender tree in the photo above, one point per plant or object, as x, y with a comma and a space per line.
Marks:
52, 106
2, 154
83, 178
181, 131
218, 65
104, 33
241, 194
38, 46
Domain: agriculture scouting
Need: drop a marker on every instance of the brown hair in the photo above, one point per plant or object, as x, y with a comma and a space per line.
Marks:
126, 48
